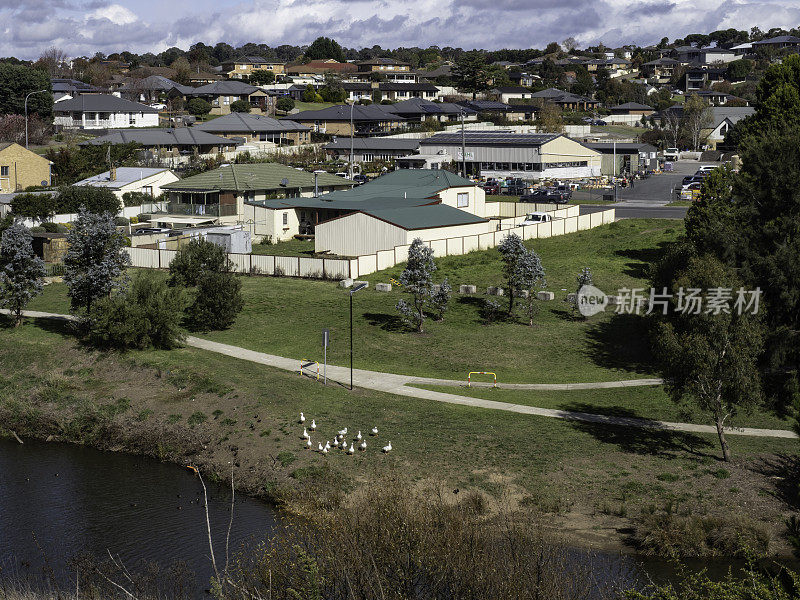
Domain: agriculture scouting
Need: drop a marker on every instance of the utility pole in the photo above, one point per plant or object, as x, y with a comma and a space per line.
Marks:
463, 148
352, 105
614, 170
26, 114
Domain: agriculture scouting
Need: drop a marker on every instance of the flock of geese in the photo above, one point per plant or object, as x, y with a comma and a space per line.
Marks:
340, 441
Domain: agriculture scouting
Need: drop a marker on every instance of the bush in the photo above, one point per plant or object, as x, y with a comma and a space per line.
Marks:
285, 104
217, 301
240, 106
121, 221
97, 200
138, 198
195, 258
34, 206
54, 227
198, 107
146, 313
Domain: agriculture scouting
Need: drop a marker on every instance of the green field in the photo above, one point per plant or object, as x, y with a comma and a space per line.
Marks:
560, 348
301, 106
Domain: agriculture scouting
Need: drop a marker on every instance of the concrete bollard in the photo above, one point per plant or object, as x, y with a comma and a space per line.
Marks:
546, 296
359, 282
494, 291
524, 294
614, 301
383, 287
573, 297
467, 289
346, 283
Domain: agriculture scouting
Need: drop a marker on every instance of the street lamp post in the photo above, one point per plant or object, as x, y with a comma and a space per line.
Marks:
353, 290
316, 188
463, 148
352, 105
26, 113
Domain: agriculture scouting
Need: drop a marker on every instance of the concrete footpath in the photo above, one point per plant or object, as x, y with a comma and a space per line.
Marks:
401, 385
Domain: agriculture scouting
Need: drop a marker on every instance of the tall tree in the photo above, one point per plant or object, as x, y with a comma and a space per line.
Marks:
95, 261
417, 280
709, 353
697, 120
21, 271
323, 48
512, 250
16, 82
471, 72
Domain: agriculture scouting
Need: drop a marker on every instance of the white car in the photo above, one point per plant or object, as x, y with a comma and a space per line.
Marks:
672, 154
536, 218
706, 169
159, 106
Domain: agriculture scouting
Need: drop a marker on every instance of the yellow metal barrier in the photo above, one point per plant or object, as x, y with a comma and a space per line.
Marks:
395, 282
471, 373
307, 363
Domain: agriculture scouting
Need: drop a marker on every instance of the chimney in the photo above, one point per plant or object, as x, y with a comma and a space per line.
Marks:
112, 173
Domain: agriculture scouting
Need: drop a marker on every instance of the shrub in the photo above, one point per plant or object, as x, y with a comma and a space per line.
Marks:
137, 198
240, 106
195, 258
217, 301
198, 107
285, 104
121, 221
147, 313
34, 206
54, 227
97, 200
196, 418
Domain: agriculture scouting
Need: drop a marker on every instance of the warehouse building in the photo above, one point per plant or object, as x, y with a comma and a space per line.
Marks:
430, 203
525, 155
625, 158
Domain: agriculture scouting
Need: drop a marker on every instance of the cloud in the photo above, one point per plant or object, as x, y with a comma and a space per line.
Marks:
83, 27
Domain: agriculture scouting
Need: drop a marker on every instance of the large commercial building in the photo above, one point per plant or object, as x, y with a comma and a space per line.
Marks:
525, 155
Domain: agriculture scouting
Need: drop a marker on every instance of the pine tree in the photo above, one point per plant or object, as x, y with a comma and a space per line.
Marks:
21, 271
417, 279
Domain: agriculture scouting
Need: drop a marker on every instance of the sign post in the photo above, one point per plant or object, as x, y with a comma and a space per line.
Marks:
326, 339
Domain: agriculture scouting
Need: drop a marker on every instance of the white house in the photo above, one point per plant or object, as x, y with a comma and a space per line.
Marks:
101, 111
121, 180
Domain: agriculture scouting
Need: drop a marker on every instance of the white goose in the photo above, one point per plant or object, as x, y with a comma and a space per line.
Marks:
313, 425
363, 445
327, 446
319, 449
387, 448
343, 432
305, 434
325, 450
374, 431
335, 442
350, 450
302, 418
308, 443
358, 437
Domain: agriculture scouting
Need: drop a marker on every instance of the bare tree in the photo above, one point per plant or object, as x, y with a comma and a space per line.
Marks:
55, 61
671, 122
697, 119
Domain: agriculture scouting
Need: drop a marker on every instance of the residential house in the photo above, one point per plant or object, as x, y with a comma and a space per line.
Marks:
512, 92
153, 89
366, 150
121, 180
382, 65
221, 94
366, 120
219, 196
722, 119
519, 112
20, 168
565, 100
629, 113
71, 88
417, 110
320, 67
247, 128
101, 111
244, 66
525, 155
403, 91
661, 69
719, 98
389, 211
698, 78
523, 79
780, 42
167, 142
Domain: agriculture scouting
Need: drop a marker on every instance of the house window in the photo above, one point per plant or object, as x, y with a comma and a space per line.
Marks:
147, 189
285, 219
4, 171
368, 157
462, 200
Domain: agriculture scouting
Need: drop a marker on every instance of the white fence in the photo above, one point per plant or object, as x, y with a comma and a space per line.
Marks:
566, 220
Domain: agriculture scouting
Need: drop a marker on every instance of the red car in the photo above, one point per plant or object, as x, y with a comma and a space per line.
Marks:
492, 188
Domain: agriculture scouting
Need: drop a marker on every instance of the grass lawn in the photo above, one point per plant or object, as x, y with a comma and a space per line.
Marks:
646, 402
301, 106
681, 203
592, 478
285, 316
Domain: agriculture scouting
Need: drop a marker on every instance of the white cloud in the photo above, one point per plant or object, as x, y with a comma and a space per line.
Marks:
115, 13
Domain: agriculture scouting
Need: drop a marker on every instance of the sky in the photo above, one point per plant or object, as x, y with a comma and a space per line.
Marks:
83, 27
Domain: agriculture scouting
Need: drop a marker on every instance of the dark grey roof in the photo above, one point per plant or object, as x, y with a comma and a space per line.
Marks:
485, 105
631, 106
101, 103
556, 95
420, 106
381, 61
781, 39
424, 217
181, 136
226, 87
490, 138
236, 122
376, 143
253, 60
390, 86
661, 61
71, 86
620, 147
341, 112
355, 86
512, 89
157, 83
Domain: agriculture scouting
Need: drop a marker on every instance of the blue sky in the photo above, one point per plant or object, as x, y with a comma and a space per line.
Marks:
83, 27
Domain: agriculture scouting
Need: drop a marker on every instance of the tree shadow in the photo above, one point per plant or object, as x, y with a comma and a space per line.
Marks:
61, 326
645, 257
629, 434
568, 315
386, 322
783, 471
622, 342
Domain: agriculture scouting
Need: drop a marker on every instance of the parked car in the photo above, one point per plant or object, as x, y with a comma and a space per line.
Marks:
599, 122
706, 169
516, 186
493, 188
587, 120
691, 191
536, 218
339, 174
553, 196
672, 154
360, 178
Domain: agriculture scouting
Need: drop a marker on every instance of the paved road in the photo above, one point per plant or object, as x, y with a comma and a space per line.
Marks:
402, 385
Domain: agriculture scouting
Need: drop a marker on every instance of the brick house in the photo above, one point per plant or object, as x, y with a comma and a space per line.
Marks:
21, 168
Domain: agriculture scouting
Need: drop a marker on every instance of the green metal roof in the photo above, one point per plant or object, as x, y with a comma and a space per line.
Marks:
424, 217
256, 176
